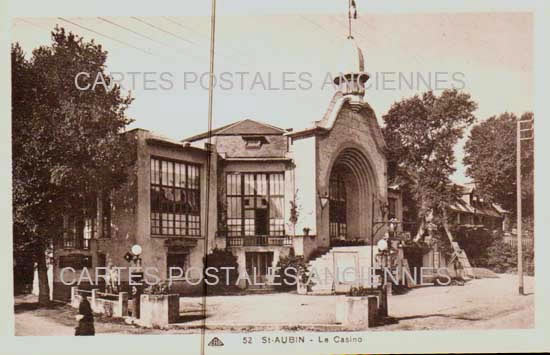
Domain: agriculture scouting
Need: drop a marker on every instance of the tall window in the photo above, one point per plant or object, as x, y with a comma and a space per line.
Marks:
106, 214
255, 204
175, 198
392, 207
337, 206
89, 232
78, 231
69, 232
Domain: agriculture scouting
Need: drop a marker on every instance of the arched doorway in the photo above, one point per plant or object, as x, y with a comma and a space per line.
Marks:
351, 187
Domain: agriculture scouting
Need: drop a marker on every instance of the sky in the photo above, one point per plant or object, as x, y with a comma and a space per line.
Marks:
276, 64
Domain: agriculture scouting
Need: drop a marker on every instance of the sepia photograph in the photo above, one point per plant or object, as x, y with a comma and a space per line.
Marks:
296, 177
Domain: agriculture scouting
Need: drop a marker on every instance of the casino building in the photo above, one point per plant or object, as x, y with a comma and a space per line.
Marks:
185, 198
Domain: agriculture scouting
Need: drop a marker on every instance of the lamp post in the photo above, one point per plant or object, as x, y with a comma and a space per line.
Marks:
519, 138
392, 223
134, 255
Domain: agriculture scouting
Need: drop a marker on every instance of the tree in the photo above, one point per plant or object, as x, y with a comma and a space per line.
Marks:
490, 157
67, 144
420, 134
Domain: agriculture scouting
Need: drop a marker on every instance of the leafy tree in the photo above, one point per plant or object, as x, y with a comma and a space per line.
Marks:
503, 257
420, 134
67, 143
491, 161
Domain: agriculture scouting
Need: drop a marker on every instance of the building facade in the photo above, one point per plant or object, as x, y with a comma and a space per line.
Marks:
253, 189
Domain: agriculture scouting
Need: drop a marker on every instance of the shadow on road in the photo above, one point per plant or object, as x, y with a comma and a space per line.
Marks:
396, 320
184, 318
32, 306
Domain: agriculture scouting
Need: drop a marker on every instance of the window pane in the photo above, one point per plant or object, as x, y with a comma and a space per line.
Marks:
155, 223
179, 172
248, 202
167, 199
234, 207
164, 172
179, 224
193, 177
261, 184
155, 171
170, 174
277, 184
233, 184
193, 225
155, 199
249, 227
234, 226
276, 208
167, 221
261, 202
179, 200
249, 184
193, 202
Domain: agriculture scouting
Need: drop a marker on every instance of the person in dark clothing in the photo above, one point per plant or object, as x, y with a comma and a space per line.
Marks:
85, 319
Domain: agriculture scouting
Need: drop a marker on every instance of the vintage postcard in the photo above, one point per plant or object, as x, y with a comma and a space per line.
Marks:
261, 177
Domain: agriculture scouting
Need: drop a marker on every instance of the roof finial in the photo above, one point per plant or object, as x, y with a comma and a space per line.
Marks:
352, 12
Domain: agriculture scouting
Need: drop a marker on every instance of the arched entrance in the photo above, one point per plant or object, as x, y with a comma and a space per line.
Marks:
351, 187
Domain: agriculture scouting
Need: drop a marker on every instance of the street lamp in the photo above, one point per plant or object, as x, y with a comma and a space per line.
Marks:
134, 255
324, 198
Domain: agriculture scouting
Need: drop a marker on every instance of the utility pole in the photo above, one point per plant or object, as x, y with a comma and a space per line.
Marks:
208, 162
518, 191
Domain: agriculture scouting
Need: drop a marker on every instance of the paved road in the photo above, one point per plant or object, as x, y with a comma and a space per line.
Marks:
480, 304
29, 324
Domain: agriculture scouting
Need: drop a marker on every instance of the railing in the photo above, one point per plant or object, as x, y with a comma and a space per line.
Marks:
258, 240
513, 242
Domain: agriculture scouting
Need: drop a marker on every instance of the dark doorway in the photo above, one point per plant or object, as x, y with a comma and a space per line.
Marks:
414, 258
258, 264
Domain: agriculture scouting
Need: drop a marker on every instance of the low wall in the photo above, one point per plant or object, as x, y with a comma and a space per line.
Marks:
357, 311
102, 303
159, 310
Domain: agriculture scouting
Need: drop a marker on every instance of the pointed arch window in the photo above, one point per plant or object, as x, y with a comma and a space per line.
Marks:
337, 207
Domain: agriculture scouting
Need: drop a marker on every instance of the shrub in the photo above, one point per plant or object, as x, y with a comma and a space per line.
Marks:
359, 291
292, 268
161, 288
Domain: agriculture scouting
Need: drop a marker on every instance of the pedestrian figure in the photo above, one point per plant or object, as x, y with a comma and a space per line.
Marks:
459, 272
85, 319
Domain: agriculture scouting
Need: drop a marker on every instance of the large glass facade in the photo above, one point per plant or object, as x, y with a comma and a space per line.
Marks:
175, 198
255, 204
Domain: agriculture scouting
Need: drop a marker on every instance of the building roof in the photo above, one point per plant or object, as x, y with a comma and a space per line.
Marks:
240, 128
160, 140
